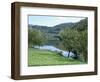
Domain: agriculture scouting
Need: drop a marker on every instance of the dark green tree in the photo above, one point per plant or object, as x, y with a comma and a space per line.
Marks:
68, 39
73, 39
35, 37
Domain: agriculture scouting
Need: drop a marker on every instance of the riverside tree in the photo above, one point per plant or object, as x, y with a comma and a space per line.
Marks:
68, 36
75, 40
35, 37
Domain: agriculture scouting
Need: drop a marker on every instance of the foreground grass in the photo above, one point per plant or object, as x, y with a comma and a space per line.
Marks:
38, 57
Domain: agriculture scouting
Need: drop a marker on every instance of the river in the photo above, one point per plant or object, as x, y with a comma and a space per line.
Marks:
55, 49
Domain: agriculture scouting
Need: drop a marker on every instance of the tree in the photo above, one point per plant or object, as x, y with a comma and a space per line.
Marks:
82, 45
68, 37
73, 39
35, 37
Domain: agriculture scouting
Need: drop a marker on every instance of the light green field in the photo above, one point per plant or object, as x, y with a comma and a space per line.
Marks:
37, 57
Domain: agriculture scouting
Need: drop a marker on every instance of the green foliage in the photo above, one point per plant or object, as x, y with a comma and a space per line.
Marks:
39, 57
35, 37
73, 39
82, 25
67, 37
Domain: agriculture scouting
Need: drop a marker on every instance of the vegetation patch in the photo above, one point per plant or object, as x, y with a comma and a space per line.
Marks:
39, 57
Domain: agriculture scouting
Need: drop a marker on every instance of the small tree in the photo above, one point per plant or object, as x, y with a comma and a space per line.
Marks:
35, 37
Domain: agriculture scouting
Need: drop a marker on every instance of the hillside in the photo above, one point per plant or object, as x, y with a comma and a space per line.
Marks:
52, 33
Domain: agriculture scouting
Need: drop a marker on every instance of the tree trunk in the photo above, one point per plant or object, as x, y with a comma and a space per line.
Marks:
68, 54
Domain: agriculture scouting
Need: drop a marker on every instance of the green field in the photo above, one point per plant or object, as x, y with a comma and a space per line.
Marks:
37, 57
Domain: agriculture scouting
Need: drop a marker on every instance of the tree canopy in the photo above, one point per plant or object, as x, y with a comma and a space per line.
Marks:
75, 39
35, 37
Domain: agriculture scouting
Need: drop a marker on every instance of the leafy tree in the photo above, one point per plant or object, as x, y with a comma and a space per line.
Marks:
68, 37
35, 37
82, 48
73, 39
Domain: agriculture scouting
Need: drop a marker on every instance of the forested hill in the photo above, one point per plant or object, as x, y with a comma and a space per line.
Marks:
53, 32
54, 29
81, 25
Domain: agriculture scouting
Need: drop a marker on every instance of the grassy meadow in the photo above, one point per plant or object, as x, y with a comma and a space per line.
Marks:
37, 57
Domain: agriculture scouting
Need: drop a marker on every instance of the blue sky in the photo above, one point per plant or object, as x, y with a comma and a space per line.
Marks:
51, 20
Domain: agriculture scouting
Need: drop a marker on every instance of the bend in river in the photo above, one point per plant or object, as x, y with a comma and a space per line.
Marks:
53, 48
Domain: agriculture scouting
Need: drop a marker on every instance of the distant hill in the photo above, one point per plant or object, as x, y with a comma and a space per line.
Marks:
53, 32
54, 29
81, 25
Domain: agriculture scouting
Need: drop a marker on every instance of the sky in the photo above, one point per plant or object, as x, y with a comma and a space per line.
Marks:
51, 20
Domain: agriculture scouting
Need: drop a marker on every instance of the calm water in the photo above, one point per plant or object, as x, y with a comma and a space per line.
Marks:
53, 48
